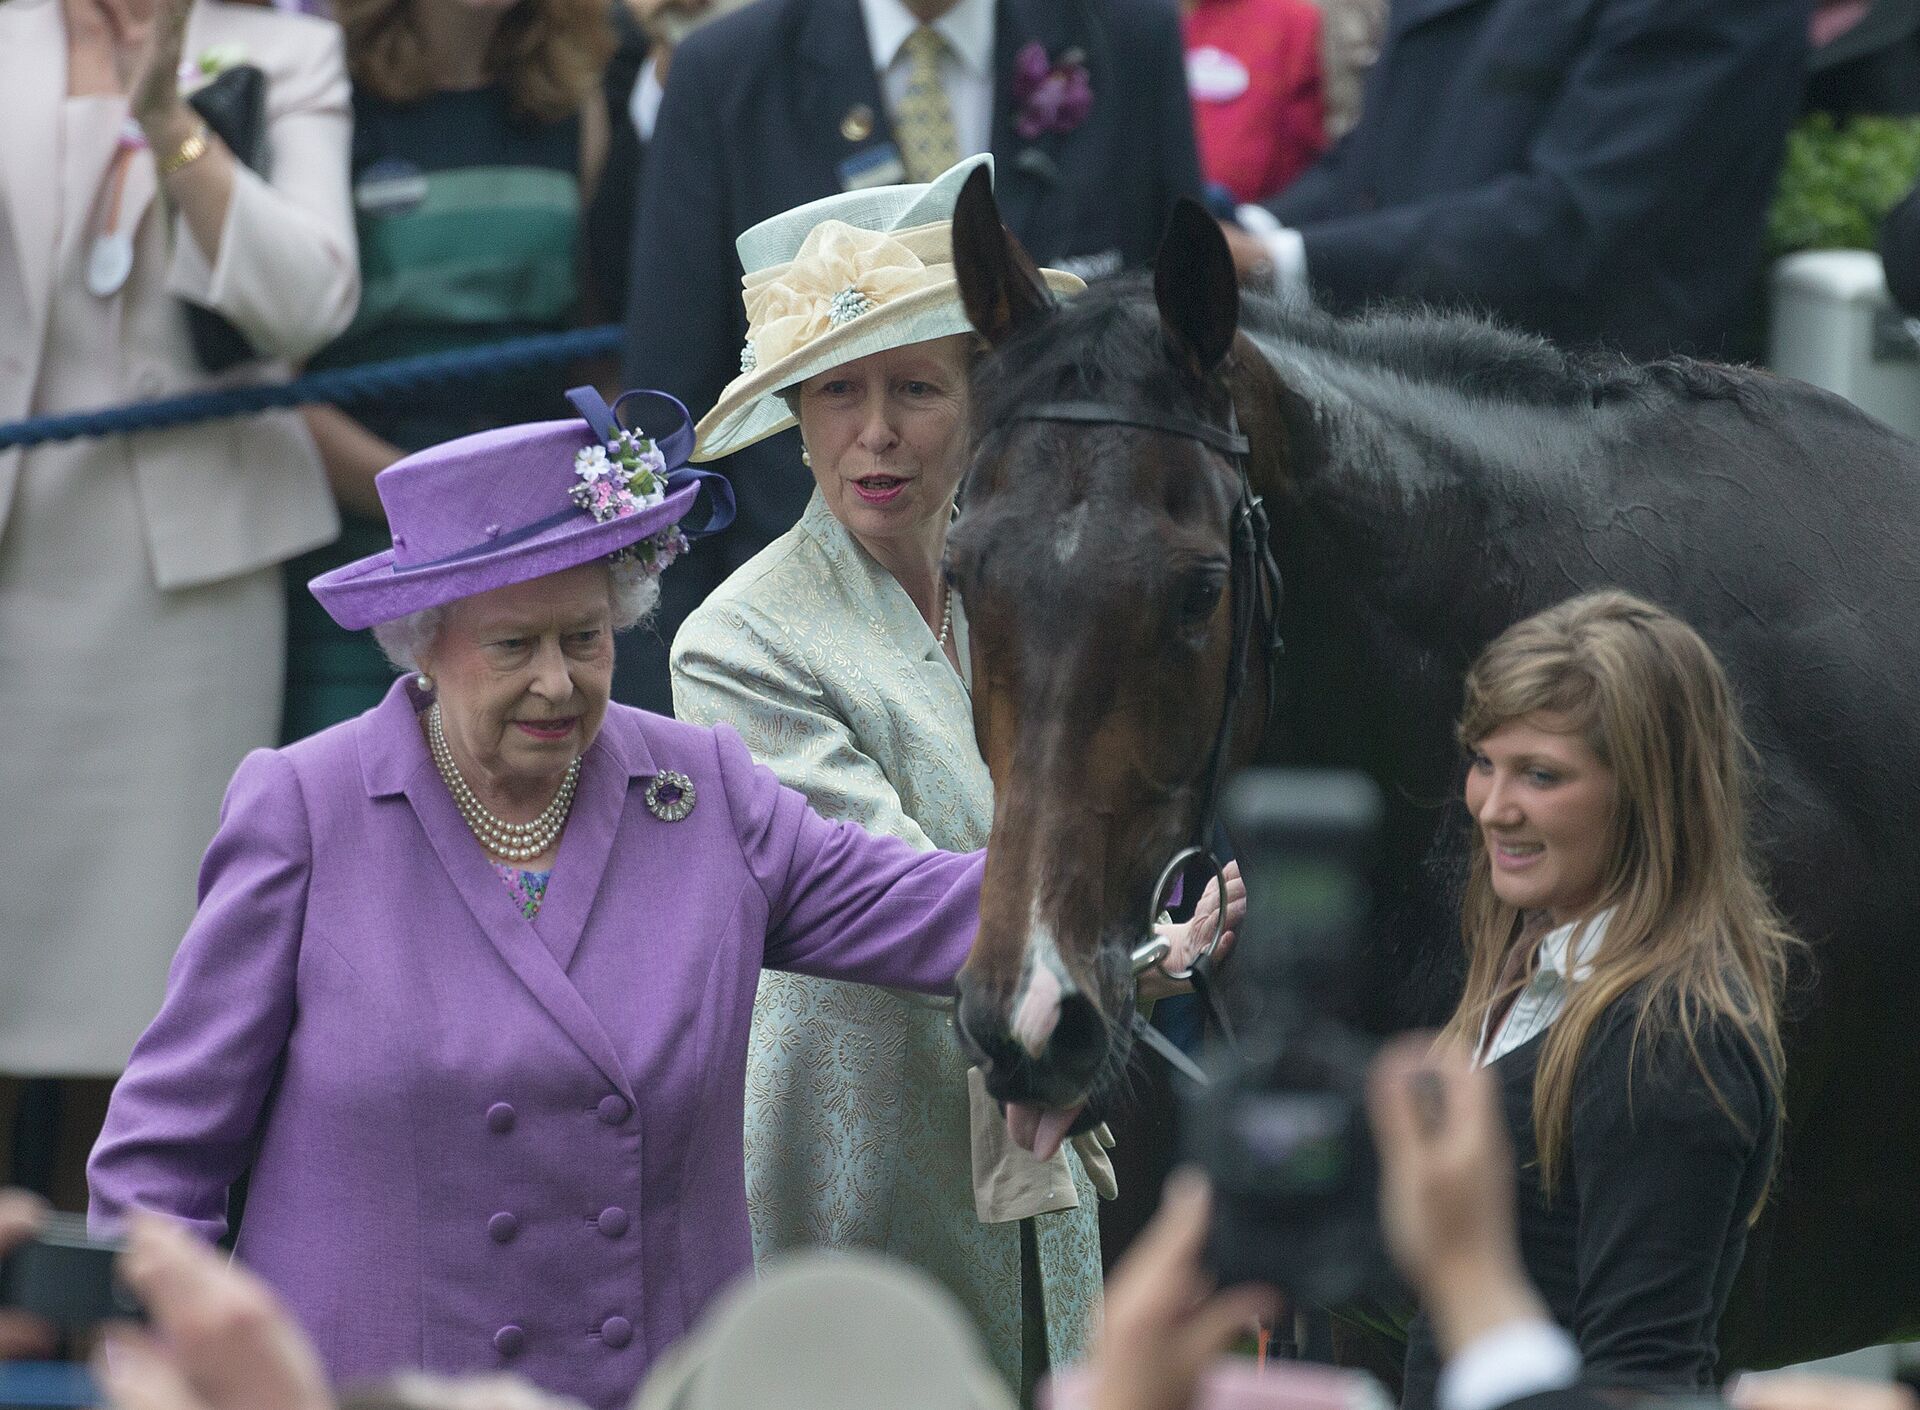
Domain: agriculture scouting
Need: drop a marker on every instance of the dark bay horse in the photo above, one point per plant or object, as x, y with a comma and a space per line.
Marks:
1430, 480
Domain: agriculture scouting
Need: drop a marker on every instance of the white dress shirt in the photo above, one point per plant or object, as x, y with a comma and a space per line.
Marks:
1566, 958
643, 104
966, 69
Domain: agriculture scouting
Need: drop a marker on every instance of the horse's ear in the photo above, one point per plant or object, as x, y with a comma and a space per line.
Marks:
1195, 287
999, 283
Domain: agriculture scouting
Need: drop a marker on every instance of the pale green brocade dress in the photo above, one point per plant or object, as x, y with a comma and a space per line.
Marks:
857, 1110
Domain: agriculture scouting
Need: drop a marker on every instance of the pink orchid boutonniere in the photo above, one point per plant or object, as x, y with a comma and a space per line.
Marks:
1052, 95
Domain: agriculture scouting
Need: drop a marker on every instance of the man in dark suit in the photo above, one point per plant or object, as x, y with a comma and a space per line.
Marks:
791, 100
1594, 170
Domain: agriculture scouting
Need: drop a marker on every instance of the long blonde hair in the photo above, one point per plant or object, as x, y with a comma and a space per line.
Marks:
549, 54
1693, 930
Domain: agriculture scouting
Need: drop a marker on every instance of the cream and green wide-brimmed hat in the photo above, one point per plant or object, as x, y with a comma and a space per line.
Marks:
837, 279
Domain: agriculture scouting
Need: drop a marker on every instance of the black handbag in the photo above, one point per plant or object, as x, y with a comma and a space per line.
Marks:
234, 108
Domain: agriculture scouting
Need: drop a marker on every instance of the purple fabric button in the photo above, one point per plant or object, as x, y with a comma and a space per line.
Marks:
502, 1227
500, 1118
613, 1222
510, 1340
613, 1109
616, 1332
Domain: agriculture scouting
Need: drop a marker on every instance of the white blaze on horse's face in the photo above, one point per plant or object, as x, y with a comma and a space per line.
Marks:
1072, 524
1044, 987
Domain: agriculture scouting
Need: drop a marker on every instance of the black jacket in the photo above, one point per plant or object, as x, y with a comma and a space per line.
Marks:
1635, 1252
1594, 170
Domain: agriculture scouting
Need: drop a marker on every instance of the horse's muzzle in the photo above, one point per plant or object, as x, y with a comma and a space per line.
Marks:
1060, 1071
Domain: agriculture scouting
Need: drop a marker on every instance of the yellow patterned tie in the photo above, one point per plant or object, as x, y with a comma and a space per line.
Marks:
924, 121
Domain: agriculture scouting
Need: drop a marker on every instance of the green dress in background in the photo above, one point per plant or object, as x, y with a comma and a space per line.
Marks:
469, 218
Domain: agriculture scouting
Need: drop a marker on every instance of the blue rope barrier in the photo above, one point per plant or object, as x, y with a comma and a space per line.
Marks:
340, 386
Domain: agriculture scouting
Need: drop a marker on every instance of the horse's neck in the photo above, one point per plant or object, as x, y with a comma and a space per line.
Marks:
1393, 563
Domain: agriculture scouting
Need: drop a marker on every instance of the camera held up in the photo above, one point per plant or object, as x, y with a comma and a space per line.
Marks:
1281, 1127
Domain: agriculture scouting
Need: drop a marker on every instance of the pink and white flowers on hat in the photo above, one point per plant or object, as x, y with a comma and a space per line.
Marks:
623, 477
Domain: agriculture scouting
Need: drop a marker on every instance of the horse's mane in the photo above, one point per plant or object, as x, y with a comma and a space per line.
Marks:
1484, 357
1095, 341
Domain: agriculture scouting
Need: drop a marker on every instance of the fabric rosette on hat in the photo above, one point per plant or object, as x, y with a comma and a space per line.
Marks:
836, 280
507, 506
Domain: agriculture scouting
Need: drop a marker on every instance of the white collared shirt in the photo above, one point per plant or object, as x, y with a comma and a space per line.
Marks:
1566, 958
966, 71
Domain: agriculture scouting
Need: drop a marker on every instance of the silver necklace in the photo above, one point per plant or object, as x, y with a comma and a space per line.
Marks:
513, 842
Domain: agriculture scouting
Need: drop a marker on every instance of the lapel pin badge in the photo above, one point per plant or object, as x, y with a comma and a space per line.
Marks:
670, 796
857, 125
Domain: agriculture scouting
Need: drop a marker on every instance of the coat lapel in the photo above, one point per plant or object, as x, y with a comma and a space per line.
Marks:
1024, 173
899, 620
835, 78
33, 81
599, 805
1029, 177
394, 759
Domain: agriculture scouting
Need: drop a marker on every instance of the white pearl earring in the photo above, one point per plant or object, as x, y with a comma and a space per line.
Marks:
424, 681
806, 457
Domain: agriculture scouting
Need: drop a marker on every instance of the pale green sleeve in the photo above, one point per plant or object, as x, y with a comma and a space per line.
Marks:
730, 663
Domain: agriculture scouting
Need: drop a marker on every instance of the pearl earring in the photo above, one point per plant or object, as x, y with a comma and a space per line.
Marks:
806, 457
424, 681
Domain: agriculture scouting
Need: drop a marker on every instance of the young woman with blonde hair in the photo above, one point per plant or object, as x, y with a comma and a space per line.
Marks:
1624, 976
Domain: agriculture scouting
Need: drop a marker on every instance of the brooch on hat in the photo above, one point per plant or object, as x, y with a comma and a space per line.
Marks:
670, 796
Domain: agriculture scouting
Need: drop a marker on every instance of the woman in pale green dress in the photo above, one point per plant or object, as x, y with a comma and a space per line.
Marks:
840, 657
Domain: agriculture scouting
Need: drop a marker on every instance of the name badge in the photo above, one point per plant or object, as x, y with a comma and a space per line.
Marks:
879, 165
109, 263
391, 187
1215, 76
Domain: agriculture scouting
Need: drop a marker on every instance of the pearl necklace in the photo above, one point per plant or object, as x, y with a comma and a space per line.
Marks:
946, 619
513, 842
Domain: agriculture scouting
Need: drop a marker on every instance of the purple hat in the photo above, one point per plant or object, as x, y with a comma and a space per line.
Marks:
521, 502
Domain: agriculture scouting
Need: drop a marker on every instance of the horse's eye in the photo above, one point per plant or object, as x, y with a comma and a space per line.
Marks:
1199, 597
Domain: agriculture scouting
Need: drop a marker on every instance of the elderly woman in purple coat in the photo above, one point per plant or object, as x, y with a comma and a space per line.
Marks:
470, 981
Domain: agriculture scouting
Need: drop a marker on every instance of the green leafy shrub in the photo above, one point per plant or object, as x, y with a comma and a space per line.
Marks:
1840, 180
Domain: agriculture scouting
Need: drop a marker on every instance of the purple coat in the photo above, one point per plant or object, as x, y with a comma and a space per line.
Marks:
480, 1142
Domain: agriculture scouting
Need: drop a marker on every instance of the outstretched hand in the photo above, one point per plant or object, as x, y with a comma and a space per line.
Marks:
1446, 1189
22, 1337
1189, 942
220, 1340
1164, 1321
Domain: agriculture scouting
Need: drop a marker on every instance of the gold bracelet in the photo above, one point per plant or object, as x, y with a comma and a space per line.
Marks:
188, 152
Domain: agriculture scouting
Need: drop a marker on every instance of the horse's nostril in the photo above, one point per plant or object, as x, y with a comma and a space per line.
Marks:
1081, 1032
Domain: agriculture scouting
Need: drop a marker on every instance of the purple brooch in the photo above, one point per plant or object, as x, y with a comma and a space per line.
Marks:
621, 478
1052, 95
670, 796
